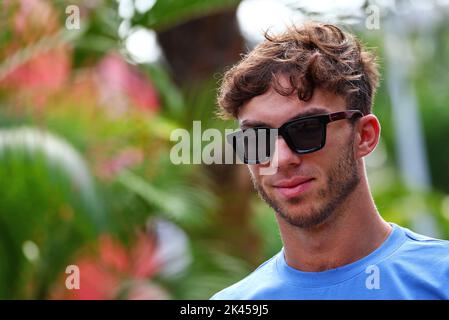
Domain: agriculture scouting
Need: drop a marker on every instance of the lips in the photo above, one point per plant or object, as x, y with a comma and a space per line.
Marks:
293, 187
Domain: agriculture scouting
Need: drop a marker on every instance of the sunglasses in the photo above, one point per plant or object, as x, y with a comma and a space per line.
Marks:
302, 135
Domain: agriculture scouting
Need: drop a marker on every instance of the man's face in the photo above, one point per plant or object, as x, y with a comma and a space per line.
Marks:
306, 189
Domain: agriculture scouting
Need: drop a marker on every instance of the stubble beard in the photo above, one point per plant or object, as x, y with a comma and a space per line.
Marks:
342, 180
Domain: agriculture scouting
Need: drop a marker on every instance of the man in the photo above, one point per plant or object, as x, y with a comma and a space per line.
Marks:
315, 84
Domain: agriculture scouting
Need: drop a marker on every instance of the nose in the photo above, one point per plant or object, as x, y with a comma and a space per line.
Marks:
285, 156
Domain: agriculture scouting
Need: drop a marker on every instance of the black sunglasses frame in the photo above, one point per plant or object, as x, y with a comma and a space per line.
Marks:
324, 119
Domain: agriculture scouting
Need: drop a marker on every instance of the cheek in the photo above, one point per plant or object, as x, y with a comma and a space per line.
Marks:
332, 155
336, 143
320, 163
338, 137
323, 163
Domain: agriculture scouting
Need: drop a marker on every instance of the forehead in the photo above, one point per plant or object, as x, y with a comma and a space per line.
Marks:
273, 109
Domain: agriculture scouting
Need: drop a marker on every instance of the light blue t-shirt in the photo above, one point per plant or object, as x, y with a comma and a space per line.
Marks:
406, 266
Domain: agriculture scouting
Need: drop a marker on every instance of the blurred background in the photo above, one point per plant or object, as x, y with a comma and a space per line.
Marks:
90, 92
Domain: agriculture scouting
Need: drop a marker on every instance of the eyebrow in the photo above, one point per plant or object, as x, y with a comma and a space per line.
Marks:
245, 124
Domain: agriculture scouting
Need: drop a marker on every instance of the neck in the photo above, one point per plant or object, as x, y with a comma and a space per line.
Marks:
347, 236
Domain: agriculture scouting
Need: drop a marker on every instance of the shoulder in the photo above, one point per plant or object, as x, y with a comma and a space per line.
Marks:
417, 241
248, 286
425, 251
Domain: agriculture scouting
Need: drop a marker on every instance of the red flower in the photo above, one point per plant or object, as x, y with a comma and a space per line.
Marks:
117, 272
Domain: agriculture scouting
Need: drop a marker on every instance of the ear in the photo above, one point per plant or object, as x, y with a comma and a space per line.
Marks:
367, 135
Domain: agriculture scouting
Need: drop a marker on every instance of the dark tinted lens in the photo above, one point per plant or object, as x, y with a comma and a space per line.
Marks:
306, 134
256, 145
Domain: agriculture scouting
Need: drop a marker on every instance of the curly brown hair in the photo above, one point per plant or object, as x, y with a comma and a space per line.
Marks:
313, 55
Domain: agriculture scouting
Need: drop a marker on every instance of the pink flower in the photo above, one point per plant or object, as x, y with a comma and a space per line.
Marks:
117, 272
122, 85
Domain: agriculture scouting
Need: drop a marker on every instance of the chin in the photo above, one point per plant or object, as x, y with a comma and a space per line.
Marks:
306, 218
